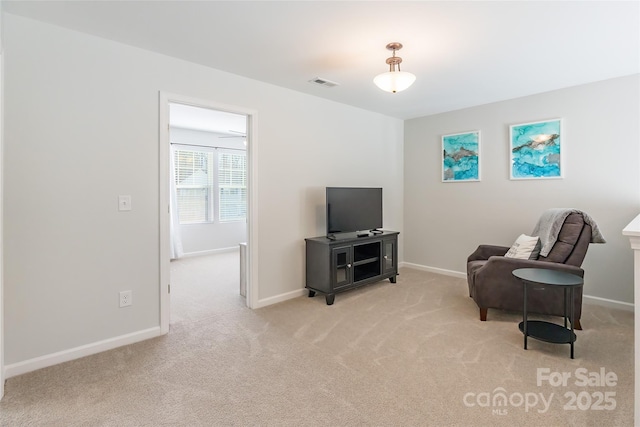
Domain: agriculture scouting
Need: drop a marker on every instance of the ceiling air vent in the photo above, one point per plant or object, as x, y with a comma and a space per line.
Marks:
323, 82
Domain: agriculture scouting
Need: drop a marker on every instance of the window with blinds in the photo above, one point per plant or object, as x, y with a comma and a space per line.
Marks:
194, 183
232, 186
210, 185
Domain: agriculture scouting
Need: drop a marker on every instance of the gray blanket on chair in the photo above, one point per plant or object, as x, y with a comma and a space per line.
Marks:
551, 222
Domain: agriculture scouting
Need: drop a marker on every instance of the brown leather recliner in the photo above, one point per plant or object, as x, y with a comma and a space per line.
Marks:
491, 284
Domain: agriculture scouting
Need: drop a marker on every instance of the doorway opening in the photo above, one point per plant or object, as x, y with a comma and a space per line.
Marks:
206, 171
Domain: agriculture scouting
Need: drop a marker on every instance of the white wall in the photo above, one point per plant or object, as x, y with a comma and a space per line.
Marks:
82, 127
215, 236
444, 222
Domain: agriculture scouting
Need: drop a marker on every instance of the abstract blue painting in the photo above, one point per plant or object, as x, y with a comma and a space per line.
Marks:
460, 157
536, 150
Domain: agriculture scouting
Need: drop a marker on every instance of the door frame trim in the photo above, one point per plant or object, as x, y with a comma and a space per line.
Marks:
165, 98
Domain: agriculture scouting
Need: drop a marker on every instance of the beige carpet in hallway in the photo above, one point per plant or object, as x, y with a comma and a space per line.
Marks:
206, 286
407, 354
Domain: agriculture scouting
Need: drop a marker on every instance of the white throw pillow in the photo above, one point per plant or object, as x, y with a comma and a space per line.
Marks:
525, 247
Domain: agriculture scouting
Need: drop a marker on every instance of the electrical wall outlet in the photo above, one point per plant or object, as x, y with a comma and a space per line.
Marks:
126, 298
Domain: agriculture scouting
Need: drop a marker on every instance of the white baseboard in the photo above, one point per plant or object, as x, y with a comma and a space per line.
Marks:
588, 299
434, 270
210, 252
300, 292
280, 298
40, 362
20, 368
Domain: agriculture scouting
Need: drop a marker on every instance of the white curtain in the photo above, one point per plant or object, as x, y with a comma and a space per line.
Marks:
174, 220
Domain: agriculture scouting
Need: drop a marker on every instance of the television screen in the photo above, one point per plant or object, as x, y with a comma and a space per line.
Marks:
352, 209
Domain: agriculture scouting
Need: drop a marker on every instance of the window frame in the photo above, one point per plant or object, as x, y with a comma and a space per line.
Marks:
214, 188
218, 186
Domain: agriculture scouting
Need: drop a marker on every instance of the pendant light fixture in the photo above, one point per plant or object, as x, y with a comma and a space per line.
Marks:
394, 81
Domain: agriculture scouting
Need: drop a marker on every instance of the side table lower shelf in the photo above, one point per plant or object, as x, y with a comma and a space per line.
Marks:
549, 332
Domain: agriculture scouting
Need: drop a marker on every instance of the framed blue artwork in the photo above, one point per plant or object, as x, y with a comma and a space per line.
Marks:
460, 157
536, 150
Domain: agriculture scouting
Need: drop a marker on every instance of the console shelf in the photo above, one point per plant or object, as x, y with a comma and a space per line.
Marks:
347, 261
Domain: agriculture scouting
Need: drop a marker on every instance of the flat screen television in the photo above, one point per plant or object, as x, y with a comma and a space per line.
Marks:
351, 209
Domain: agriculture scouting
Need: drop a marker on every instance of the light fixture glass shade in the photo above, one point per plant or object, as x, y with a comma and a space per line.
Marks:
394, 81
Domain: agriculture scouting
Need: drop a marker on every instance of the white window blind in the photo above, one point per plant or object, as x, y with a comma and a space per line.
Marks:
232, 185
210, 185
194, 185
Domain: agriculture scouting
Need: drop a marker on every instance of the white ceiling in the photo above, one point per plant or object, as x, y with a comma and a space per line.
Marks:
463, 53
204, 119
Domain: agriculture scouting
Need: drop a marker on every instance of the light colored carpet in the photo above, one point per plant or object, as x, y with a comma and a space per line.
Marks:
204, 287
404, 354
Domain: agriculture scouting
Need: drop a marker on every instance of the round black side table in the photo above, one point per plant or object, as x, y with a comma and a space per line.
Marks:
547, 331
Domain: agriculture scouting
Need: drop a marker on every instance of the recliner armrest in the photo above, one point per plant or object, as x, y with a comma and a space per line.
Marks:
484, 252
501, 263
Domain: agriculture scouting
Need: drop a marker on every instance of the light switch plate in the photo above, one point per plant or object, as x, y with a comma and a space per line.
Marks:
124, 203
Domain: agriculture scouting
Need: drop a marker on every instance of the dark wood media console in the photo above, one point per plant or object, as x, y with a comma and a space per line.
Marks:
346, 262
